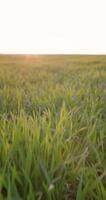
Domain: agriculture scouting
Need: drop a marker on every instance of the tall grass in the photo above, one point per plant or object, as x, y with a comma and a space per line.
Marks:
53, 128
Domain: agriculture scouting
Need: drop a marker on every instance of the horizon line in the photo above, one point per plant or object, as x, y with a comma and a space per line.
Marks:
53, 54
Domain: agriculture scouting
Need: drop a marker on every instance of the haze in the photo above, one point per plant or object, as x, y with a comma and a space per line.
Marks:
53, 26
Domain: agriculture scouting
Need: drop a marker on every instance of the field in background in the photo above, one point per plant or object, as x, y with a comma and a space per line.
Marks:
52, 127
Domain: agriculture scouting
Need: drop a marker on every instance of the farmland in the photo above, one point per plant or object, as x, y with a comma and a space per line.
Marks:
52, 127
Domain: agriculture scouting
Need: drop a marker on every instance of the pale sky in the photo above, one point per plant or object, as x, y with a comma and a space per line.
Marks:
53, 26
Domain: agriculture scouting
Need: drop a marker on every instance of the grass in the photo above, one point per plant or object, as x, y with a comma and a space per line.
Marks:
52, 127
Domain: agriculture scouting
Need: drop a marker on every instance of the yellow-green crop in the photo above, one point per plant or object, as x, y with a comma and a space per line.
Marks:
52, 127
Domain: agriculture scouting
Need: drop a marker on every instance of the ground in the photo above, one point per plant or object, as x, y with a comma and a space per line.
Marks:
52, 127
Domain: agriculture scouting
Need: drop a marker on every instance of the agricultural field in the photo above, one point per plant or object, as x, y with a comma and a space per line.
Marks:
52, 127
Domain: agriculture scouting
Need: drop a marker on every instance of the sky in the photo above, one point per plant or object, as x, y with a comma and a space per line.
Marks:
53, 26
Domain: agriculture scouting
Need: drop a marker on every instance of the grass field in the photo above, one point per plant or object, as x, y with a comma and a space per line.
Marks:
52, 127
